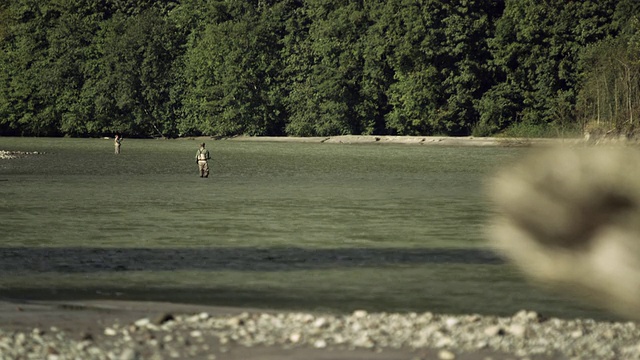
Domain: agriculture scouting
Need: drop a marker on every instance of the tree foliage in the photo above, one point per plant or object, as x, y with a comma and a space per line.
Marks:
325, 71
230, 73
314, 67
609, 96
536, 50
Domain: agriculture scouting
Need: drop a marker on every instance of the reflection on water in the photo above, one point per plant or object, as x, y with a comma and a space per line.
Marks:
301, 225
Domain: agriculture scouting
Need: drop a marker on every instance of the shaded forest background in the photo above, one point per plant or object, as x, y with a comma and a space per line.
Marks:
148, 68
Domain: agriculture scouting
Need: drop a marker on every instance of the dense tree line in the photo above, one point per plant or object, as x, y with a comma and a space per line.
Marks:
316, 67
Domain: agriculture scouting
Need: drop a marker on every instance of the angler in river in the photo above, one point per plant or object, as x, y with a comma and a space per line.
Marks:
202, 159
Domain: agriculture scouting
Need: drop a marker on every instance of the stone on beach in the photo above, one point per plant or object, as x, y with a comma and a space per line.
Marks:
448, 336
570, 218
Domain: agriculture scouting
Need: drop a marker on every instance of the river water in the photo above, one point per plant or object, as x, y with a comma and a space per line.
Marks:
307, 226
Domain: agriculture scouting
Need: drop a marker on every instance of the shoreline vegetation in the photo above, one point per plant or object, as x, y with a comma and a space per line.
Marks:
313, 68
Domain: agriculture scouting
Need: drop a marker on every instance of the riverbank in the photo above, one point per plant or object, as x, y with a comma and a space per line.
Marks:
405, 140
16, 154
415, 140
153, 330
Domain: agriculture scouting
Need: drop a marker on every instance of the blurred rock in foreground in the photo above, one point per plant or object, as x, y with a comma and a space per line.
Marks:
570, 218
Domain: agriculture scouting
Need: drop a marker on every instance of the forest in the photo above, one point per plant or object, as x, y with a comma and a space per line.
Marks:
149, 68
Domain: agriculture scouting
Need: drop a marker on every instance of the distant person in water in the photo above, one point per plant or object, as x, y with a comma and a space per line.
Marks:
202, 159
117, 142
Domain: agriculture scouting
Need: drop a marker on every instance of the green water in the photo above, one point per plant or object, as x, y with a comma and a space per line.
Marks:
305, 226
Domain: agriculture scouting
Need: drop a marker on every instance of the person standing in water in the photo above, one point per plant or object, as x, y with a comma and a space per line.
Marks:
202, 159
117, 142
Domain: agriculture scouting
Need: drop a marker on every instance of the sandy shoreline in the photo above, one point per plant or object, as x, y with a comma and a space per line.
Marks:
413, 140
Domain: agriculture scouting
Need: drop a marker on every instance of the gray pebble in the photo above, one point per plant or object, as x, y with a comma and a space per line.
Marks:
525, 335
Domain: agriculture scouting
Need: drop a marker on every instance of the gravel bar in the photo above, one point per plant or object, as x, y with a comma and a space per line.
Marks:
526, 335
4, 154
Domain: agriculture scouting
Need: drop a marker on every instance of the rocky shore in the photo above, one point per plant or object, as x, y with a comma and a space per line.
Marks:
16, 154
165, 331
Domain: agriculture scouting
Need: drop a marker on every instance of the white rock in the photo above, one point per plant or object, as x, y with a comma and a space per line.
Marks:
493, 330
517, 330
128, 354
444, 342
360, 313
320, 322
320, 344
204, 316
451, 322
295, 337
446, 355
142, 322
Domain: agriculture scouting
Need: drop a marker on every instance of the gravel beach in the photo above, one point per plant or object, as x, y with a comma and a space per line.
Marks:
151, 330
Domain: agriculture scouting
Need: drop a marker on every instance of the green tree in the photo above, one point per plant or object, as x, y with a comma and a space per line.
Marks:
609, 95
130, 77
231, 73
536, 48
6, 22
313, 67
69, 50
27, 105
439, 58
132, 8
377, 73
324, 70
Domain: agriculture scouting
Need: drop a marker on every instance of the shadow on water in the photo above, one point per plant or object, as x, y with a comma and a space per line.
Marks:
87, 260
279, 278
